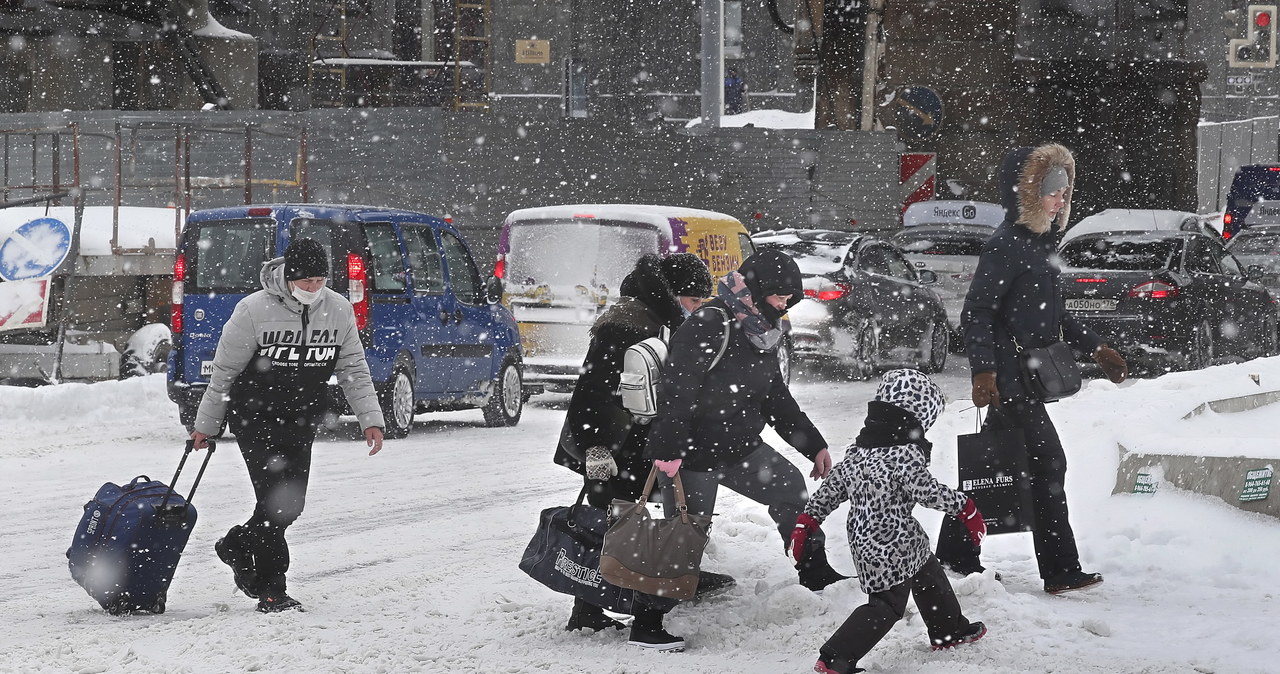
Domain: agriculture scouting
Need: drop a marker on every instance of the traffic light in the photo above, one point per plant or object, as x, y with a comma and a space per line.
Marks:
1258, 48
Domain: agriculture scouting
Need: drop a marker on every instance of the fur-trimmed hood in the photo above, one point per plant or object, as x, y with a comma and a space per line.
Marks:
1021, 175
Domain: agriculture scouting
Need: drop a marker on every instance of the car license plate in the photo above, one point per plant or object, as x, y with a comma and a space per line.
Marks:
1090, 304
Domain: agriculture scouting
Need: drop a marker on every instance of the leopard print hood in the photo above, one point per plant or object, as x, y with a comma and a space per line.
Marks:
914, 392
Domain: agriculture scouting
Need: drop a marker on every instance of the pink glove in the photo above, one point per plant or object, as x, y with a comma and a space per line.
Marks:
806, 524
670, 468
972, 520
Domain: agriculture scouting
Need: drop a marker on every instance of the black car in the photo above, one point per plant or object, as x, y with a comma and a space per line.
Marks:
1177, 299
1253, 184
1259, 246
865, 305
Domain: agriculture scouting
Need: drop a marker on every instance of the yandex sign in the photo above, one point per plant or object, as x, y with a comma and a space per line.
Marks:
1258, 48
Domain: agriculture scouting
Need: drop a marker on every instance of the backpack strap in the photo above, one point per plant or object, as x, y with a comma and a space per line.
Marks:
724, 345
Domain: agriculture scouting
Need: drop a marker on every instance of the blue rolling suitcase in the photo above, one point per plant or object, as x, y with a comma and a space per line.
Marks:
130, 539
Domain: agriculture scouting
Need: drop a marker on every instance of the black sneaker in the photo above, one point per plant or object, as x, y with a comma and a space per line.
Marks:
591, 620
1071, 580
655, 638
967, 635
711, 583
241, 564
278, 603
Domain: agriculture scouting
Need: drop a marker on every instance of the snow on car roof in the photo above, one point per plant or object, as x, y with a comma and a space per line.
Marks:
140, 227
655, 214
1133, 220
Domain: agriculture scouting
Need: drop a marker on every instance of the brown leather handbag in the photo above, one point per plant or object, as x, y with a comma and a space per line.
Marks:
658, 556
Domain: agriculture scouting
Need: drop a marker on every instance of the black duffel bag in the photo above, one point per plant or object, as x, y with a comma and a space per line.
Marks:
564, 555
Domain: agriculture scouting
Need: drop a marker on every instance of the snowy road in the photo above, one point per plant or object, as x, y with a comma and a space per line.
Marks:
406, 560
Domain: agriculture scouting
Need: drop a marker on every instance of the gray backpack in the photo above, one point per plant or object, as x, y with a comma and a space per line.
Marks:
642, 365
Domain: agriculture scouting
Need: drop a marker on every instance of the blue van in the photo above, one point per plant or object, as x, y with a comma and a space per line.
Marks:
435, 336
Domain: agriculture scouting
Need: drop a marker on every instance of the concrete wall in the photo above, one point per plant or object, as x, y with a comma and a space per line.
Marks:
1225, 147
1222, 477
479, 167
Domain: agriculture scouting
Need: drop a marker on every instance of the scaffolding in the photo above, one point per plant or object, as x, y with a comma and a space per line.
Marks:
153, 163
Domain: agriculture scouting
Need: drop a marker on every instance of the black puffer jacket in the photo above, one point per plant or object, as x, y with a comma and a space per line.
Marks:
596, 416
1015, 293
714, 418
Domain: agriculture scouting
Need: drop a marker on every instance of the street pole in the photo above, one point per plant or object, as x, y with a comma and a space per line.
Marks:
871, 66
712, 62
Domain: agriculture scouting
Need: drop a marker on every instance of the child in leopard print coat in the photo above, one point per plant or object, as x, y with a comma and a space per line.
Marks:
884, 475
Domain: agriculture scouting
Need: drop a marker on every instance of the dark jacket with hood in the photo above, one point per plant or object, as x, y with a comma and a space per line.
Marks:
1015, 293
712, 418
596, 417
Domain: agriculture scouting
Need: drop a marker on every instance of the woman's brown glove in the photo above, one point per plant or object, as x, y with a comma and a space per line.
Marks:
1112, 363
984, 389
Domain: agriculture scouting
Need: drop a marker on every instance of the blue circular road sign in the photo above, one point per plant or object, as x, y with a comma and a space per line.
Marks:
35, 249
918, 112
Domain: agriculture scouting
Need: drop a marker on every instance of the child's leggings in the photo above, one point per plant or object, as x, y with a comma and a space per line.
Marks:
868, 624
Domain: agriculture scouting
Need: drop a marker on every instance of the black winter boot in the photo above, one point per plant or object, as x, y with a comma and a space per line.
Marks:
591, 617
816, 573
710, 583
647, 632
231, 552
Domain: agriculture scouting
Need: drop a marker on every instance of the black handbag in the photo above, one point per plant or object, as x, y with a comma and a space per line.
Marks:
564, 555
1049, 372
993, 472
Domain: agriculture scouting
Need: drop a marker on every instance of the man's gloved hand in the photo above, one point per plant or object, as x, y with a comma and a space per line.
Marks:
972, 520
1112, 363
984, 389
806, 524
600, 464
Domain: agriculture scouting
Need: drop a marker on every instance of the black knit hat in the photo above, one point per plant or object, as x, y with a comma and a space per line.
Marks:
305, 258
687, 275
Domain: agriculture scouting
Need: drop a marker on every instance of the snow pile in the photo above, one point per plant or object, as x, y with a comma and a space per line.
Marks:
406, 561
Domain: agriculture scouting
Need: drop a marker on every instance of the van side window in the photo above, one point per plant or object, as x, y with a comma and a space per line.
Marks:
424, 259
462, 270
746, 245
388, 267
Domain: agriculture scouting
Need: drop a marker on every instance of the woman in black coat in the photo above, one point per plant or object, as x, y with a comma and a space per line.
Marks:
1013, 303
604, 443
710, 417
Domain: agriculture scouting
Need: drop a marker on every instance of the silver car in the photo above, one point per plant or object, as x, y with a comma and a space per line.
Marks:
951, 251
1258, 248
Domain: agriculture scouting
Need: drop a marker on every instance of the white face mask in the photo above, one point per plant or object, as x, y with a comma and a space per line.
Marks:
306, 297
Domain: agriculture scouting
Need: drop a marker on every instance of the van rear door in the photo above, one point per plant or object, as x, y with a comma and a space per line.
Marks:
224, 259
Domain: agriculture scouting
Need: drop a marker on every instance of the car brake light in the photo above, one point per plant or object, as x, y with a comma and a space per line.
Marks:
1226, 234
259, 212
1154, 290
828, 292
356, 290
1227, 218
175, 309
500, 267
1091, 280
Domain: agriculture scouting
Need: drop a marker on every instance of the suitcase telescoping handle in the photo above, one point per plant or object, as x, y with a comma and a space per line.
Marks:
187, 452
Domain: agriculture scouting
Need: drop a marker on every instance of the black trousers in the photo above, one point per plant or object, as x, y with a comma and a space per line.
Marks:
1054, 540
279, 472
868, 623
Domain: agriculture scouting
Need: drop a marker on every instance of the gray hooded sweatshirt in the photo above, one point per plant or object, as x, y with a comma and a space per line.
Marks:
274, 360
